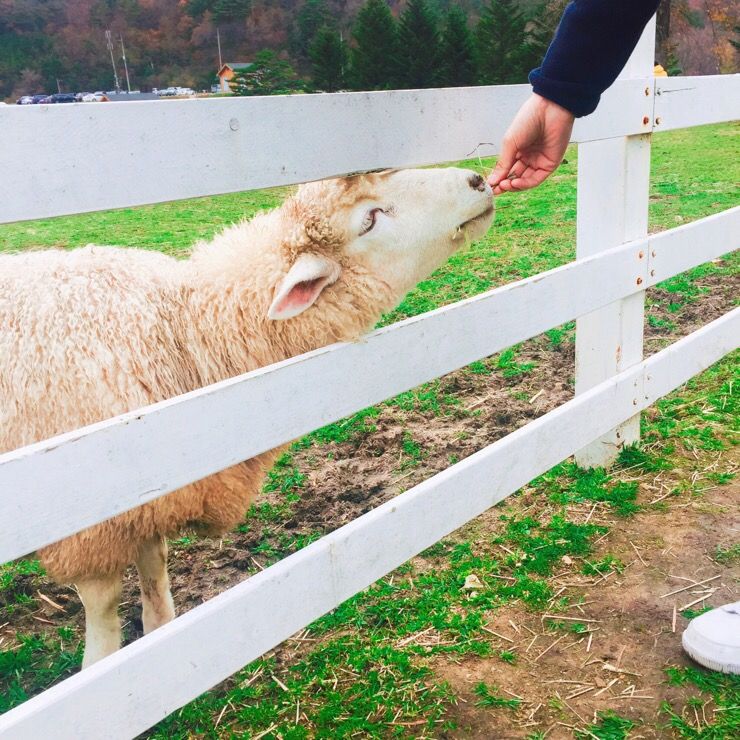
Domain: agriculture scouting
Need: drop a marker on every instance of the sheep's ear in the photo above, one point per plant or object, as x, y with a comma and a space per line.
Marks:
300, 288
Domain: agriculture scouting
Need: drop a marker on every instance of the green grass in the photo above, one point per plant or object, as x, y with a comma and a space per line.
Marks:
367, 674
171, 228
39, 661
490, 697
729, 554
609, 727
692, 721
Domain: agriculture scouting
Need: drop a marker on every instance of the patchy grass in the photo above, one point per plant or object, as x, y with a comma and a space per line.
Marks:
490, 697
38, 662
610, 726
713, 713
729, 554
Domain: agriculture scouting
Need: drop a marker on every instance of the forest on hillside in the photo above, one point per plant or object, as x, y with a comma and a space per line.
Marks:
318, 44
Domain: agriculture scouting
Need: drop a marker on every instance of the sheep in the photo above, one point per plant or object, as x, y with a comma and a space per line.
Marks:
94, 332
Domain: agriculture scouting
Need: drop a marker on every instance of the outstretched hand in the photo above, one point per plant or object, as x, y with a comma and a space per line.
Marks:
533, 146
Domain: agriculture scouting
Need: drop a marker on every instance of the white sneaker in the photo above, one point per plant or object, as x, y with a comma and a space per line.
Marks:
713, 639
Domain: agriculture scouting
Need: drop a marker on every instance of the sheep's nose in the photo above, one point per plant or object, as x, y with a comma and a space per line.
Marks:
477, 182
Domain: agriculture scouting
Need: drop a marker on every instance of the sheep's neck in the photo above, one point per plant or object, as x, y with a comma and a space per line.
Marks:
231, 334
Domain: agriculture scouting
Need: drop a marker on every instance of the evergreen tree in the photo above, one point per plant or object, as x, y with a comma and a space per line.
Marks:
329, 57
268, 75
419, 46
672, 62
459, 67
502, 43
541, 24
311, 17
375, 58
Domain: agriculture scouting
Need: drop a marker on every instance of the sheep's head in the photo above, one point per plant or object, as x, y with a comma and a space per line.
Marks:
398, 226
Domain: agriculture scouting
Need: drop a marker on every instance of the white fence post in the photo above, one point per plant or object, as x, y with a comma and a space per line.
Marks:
613, 192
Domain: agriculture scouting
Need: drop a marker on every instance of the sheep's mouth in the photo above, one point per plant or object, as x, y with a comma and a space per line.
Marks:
479, 217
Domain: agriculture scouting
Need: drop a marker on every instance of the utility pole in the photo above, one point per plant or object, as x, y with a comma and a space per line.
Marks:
341, 43
125, 66
109, 43
220, 61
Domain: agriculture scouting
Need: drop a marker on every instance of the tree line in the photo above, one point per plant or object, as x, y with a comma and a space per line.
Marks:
425, 47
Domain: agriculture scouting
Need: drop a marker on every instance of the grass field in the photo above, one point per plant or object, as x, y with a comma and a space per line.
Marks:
560, 630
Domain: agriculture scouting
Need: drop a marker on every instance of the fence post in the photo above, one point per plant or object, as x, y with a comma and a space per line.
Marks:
613, 192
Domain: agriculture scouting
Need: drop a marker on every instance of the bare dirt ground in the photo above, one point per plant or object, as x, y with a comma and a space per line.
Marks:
563, 681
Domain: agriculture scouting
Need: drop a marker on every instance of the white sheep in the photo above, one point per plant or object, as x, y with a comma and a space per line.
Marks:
94, 332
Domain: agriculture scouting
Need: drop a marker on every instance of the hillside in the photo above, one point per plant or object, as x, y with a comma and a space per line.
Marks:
174, 42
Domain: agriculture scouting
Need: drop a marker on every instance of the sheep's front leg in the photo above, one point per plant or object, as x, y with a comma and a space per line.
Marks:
101, 597
156, 599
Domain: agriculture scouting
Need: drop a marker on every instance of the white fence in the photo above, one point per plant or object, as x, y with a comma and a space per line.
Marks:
151, 152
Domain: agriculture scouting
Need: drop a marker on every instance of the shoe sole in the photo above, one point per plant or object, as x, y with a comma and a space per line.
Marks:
703, 660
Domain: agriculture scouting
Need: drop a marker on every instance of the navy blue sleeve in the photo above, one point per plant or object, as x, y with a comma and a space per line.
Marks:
591, 46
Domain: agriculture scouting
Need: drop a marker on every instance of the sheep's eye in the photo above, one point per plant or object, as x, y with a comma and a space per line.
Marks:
370, 219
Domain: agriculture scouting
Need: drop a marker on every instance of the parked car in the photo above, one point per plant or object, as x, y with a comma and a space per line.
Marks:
61, 98
38, 98
95, 97
25, 100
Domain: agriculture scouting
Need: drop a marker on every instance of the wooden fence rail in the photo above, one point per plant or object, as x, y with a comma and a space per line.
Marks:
148, 152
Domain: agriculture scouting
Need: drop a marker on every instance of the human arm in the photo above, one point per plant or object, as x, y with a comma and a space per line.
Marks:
590, 48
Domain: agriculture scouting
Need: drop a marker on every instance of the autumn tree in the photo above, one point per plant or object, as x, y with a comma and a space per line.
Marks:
419, 46
228, 10
459, 66
221, 10
29, 83
375, 57
329, 58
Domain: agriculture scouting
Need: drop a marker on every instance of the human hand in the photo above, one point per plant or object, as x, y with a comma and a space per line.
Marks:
533, 146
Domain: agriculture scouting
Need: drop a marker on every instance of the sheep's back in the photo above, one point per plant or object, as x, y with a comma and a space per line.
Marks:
85, 335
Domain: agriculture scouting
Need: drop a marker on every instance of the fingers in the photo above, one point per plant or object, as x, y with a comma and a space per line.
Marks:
515, 172
517, 169
506, 161
523, 179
